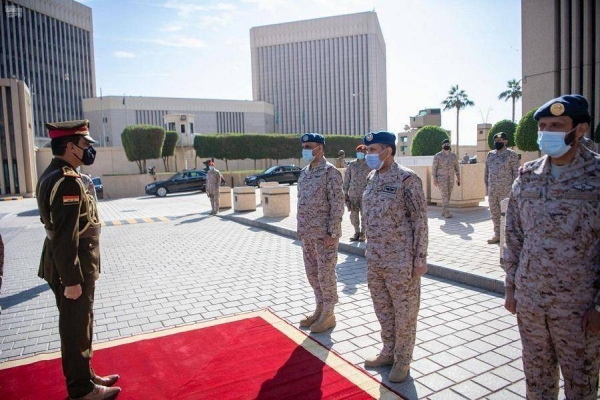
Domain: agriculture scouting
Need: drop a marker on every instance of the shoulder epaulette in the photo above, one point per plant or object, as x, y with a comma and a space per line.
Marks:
70, 172
529, 167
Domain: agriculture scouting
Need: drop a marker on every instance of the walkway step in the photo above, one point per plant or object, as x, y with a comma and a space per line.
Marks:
463, 277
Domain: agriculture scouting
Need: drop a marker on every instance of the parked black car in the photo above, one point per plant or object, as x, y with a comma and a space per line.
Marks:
184, 181
98, 186
282, 174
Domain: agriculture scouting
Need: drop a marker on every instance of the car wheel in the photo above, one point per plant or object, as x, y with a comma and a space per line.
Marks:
259, 182
161, 192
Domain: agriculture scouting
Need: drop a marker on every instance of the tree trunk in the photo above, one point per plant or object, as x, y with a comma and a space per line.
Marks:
513, 119
457, 140
139, 164
226, 165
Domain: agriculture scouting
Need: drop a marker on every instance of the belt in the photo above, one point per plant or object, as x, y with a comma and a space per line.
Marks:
89, 232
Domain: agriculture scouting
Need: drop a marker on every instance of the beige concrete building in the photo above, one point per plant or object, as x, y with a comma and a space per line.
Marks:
428, 116
209, 116
18, 176
561, 52
325, 75
49, 45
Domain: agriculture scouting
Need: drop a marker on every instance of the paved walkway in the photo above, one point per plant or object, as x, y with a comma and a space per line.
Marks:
190, 267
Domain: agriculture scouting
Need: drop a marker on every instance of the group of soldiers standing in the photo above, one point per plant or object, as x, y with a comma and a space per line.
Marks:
552, 249
551, 254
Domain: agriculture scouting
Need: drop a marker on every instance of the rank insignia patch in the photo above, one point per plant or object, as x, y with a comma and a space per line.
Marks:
584, 187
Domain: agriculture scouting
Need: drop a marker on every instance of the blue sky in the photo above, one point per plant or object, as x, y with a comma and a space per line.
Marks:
201, 49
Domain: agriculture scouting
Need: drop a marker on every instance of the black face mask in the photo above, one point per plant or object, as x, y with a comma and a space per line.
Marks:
446, 147
89, 155
498, 145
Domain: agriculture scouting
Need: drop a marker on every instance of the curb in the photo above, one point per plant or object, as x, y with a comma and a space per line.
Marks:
11, 198
439, 271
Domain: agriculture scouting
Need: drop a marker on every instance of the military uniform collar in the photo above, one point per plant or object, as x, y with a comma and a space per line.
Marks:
581, 159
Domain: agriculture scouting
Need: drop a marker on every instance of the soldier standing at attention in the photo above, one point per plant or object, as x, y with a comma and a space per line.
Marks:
396, 253
355, 182
501, 169
552, 255
70, 261
445, 165
340, 161
213, 182
320, 211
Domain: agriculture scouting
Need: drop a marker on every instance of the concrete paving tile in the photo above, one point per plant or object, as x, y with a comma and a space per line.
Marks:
447, 394
425, 366
435, 381
480, 345
509, 351
470, 390
445, 359
491, 381
509, 373
476, 366
456, 374
518, 388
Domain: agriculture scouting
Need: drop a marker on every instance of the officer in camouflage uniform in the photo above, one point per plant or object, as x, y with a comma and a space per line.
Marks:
213, 183
501, 169
552, 256
396, 253
320, 211
445, 165
355, 182
70, 261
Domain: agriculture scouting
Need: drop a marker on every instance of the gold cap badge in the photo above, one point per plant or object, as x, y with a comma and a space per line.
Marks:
557, 109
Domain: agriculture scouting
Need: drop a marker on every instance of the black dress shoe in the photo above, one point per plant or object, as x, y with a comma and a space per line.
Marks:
108, 380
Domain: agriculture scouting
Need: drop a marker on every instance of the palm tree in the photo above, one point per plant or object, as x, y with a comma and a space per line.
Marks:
457, 99
514, 92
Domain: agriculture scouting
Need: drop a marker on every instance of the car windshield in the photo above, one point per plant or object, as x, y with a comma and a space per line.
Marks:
270, 170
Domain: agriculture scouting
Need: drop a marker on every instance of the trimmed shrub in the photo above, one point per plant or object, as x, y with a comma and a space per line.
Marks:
428, 141
506, 126
142, 142
527, 133
168, 148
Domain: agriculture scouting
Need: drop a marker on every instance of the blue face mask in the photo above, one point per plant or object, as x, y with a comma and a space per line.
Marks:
553, 143
360, 156
373, 161
307, 155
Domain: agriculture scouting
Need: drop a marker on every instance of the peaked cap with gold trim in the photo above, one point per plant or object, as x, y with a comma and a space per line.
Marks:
69, 128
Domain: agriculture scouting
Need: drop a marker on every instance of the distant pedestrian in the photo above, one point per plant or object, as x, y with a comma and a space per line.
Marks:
552, 255
396, 253
465, 159
213, 183
320, 211
70, 261
340, 161
445, 166
501, 169
355, 182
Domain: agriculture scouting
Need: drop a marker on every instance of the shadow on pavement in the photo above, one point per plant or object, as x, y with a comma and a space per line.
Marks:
21, 297
193, 220
29, 213
464, 230
351, 275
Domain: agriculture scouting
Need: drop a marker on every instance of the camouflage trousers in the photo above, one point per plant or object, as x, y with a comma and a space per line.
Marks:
396, 297
214, 202
553, 337
360, 225
320, 262
495, 195
446, 184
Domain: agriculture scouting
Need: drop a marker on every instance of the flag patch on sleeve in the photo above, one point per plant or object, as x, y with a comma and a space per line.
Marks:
70, 200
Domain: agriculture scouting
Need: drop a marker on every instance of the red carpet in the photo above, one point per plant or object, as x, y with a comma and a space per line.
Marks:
251, 356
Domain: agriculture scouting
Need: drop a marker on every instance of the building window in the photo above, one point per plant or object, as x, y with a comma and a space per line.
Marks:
171, 126
182, 128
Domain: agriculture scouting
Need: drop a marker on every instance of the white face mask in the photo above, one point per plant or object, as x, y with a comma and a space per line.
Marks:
553, 143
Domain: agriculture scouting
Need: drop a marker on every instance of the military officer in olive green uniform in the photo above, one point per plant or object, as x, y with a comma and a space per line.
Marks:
552, 255
70, 261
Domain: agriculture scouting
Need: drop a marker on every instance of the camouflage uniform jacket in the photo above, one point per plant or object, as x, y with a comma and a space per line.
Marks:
501, 168
355, 179
396, 214
320, 201
213, 181
443, 164
71, 252
588, 143
552, 248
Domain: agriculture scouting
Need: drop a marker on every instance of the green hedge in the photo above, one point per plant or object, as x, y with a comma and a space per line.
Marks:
428, 141
527, 133
274, 147
506, 126
142, 142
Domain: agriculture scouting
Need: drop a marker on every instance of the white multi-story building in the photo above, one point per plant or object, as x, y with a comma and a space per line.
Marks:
325, 75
